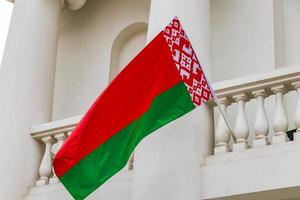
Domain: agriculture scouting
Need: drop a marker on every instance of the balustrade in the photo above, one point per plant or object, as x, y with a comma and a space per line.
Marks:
53, 135
239, 91
296, 86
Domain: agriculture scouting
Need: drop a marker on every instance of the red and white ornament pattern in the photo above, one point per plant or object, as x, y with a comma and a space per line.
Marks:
187, 63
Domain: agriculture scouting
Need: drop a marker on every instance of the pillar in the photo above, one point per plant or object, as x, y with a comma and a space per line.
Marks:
26, 88
167, 164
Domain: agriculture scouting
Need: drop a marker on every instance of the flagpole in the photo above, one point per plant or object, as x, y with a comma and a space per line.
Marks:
224, 117
219, 106
220, 109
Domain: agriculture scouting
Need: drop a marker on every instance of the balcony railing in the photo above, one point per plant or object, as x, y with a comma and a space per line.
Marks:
236, 91
257, 87
53, 135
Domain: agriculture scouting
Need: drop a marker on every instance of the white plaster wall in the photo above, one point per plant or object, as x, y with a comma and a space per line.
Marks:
131, 48
260, 171
292, 31
242, 37
84, 50
126, 46
291, 48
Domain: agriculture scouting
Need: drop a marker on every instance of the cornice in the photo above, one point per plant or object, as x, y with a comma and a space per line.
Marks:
74, 4
71, 4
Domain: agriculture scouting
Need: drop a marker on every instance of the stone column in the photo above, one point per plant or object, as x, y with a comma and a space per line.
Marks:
167, 164
26, 91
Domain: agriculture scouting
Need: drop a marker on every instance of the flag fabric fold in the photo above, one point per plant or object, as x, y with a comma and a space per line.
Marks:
163, 82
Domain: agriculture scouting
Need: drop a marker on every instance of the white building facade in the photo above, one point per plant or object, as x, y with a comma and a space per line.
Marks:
60, 55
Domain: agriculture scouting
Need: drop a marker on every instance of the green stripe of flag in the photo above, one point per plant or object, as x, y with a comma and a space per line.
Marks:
112, 156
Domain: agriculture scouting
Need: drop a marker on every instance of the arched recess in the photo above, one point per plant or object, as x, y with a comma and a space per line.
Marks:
126, 46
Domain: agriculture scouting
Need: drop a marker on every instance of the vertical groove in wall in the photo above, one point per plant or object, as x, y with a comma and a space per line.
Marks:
278, 20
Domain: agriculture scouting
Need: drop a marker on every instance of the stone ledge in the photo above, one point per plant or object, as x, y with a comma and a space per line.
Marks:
254, 171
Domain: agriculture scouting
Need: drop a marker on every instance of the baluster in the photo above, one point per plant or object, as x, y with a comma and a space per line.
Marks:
296, 86
280, 123
222, 134
261, 125
60, 137
46, 163
241, 130
130, 161
69, 133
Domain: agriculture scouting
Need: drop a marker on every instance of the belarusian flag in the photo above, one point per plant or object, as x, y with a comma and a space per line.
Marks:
163, 82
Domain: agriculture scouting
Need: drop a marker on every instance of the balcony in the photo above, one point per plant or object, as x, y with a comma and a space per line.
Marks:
53, 135
262, 162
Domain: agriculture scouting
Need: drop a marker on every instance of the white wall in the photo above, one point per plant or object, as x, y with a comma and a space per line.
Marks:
5, 15
242, 38
84, 50
254, 174
126, 46
292, 31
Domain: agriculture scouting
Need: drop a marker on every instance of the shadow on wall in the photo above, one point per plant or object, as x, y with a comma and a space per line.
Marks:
129, 42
